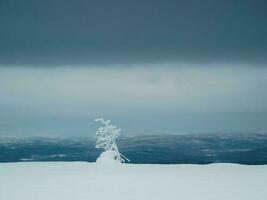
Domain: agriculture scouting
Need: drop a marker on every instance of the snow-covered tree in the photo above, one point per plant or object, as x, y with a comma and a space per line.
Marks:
106, 139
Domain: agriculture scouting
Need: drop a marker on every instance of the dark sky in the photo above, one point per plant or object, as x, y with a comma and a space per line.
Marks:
60, 32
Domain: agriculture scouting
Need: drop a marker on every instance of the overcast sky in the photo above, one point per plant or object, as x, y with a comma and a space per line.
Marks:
49, 32
150, 66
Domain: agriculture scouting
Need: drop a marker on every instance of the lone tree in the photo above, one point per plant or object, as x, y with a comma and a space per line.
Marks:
106, 139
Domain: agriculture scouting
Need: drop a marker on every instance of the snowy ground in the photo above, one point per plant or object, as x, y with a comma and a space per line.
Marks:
85, 181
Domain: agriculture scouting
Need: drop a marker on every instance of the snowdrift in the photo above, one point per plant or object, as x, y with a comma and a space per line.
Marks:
89, 181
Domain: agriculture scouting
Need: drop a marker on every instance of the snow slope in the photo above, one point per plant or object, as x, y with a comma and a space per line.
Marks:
85, 181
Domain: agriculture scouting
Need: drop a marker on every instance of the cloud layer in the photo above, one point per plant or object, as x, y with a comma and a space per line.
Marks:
36, 32
164, 90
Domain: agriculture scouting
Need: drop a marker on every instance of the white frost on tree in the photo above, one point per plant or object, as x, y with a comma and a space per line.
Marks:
106, 140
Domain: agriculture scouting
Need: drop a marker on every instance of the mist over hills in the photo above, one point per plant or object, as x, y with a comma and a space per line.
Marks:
154, 149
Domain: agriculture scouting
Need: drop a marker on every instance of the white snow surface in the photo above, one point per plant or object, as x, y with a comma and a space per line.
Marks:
86, 181
109, 157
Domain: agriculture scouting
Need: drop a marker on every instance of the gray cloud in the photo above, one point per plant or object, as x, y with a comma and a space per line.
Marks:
166, 86
36, 32
164, 97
